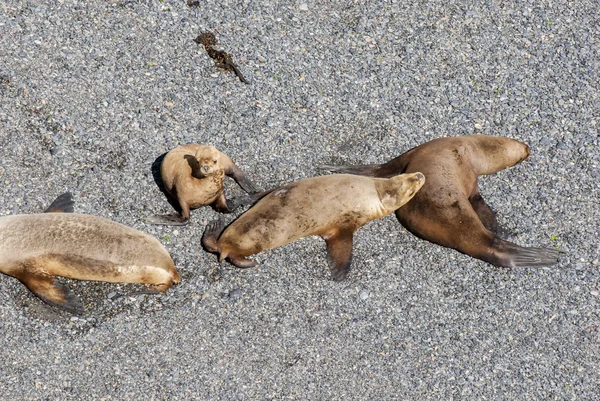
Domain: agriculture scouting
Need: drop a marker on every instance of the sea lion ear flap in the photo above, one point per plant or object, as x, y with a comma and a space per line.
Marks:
63, 204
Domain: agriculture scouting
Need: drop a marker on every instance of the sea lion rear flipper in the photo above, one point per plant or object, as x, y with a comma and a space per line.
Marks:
63, 204
369, 170
211, 235
339, 253
52, 292
243, 200
224, 205
255, 197
386, 170
167, 219
514, 255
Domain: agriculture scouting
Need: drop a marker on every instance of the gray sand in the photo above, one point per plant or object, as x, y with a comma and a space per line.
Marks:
92, 92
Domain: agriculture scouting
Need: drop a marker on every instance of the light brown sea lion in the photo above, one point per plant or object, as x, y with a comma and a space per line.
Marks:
332, 207
37, 247
449, 209
194, 174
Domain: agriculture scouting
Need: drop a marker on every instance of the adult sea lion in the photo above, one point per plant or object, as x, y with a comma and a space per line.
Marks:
449, 209
37, 247
332, 207
193, 175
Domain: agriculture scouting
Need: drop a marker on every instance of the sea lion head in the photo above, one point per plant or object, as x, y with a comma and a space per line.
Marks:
398, 190
208, 160
492, 153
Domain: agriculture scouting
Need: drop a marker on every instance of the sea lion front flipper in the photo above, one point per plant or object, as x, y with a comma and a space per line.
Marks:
486, 214
240, 261
51, 292
241, 179
63, 204
339, 253
167, 219
211, 235
145, 291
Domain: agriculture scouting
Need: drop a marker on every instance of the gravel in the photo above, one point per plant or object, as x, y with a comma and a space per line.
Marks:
92, 93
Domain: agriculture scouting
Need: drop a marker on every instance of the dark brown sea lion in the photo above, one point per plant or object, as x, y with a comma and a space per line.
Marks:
37, 247
194, 174
332, 207
449, 209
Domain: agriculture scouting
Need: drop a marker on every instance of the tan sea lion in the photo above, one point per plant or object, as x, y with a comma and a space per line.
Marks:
332, 207
194, 174
37, 247
449, 209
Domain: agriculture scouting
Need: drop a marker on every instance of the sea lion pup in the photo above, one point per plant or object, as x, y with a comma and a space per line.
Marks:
193, 175
332, 207
37, 247
449, 209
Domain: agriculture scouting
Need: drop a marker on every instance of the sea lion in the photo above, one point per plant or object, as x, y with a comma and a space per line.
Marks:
193, 175
37, 247
449, 209
332, 207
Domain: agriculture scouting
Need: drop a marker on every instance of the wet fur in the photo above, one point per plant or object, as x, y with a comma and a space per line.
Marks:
449, 209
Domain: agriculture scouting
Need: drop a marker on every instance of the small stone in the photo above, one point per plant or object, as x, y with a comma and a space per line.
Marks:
261, 59
364, 295
594, 293
235, 294
303, 7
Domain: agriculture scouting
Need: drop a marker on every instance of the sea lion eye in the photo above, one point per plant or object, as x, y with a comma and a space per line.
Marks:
214, 161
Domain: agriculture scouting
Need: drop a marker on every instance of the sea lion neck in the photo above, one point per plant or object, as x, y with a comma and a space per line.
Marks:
394, 192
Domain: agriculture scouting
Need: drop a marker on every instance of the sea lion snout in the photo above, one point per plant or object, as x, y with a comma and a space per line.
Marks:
175, 279
418, 180
400, 189
527, 151
208, 159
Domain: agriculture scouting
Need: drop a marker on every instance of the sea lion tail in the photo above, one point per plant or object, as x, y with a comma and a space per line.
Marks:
518, 256
369, 170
